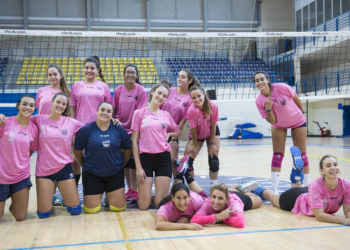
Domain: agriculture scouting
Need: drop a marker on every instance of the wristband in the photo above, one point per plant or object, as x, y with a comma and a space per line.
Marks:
173, 140
211, 143
268, 110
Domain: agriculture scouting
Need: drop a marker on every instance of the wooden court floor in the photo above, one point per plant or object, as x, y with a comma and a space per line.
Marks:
266, 227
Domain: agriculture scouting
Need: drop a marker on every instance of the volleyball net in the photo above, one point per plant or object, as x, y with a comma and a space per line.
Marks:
313, 63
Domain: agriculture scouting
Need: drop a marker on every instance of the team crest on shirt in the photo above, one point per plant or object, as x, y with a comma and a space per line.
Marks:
43, 129
199, 121
99, 88
184, 104
163, 125
136, 97
144, 123
106, 144
64, 131
283, 102
11, 135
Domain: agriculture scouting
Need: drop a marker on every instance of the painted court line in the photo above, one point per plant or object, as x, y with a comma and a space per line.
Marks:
180, 237
125, 235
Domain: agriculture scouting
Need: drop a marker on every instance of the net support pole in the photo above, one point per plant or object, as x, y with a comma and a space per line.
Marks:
205, 15
315, 88
148, 11
325, 80
338, 81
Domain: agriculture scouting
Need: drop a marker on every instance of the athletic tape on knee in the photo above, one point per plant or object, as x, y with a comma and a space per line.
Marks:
213, 163
74, 210
305, 159
190, 164
91, 210
277, 159
115, 209
43, 215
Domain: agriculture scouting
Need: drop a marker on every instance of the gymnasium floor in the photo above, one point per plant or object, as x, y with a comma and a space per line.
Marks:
266, 227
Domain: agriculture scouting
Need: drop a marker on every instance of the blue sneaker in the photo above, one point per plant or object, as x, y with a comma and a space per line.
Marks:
297, 160
297, 176
182, 165
54, 198
247, 186
62, 203
259, 192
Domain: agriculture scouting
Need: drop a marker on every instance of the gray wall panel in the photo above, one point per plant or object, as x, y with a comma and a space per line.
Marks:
244, 10
106, 9
220, 9
132, 9
42, 8
189, 10
69, 8
163, 9
11, 8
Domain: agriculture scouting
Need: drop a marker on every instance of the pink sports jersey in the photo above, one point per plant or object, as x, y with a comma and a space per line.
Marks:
200, 121
16, 142
153, 130
234, 200
55, 138
320, 196
177, 105
170, 212
86, 97
287, 113
44, 99
126, 102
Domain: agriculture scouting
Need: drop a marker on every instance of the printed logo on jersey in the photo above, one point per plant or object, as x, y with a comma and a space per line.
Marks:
106, 144
163, 125
136, 97
177, 99
11, 135
144, 123
184, 104
283, 102
53, 126
64, 131
199, 121
43, 129
99, 88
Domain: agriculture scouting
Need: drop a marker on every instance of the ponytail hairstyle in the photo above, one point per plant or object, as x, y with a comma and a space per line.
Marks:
137, 80
206, 104
266, 76
165, 83
63, 84
174, 190
20, 100
221, 187
96, 61
190, 76
66, 112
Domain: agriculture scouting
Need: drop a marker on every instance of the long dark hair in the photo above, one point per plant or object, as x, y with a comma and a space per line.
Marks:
267, 78
206, 104
137, 80
174, 190
66, 112
63, 84
96, 61
24, 96
190, 76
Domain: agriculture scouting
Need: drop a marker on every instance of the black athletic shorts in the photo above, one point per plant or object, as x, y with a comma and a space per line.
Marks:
247, 201
65, 173
160, 164
93, 184
131, 162
289, 197
216, 134
302, 125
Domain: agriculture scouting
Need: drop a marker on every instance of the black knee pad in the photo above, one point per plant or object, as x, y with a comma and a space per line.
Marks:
213, 163
190, 164
180, 177
188, 178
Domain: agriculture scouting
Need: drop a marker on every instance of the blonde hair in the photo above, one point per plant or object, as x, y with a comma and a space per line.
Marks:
221, 187
166, 84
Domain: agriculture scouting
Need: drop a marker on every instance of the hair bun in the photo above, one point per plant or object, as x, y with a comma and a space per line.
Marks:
97, 58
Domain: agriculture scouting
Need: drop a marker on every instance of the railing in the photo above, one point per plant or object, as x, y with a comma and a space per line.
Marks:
193, 54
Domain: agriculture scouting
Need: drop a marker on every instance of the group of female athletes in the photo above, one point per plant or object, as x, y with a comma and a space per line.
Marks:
136, 137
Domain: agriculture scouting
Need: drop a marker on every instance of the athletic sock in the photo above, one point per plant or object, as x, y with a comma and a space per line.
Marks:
213, 182
275, 177
77, 178
203, 194
306, 180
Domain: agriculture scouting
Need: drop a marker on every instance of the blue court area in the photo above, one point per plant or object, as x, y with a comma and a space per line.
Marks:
203, 181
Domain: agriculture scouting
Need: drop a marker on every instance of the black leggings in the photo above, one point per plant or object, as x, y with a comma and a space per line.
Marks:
289, 197
247, 201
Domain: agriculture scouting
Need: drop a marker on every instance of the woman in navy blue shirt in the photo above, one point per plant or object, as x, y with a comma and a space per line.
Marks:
103, 161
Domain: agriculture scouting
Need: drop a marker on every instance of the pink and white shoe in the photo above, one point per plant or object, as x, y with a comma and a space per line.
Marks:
128, 194
134, 196
182, 165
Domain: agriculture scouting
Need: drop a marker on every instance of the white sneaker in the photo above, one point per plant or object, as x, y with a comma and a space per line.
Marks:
248, 186
105, 199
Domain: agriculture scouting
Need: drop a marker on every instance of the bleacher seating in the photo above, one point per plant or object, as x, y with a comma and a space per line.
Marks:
221, 70
34, 69
3, 62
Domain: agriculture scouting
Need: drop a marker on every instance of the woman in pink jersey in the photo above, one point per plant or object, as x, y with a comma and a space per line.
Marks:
176, 210
126, 99
177, 104
280, 106
45, 94
150, 127
86, 95
222, 206
203, 116
321, 199
18, 140
54, 161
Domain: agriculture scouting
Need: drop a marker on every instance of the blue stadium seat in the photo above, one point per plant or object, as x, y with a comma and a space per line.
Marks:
1, 70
